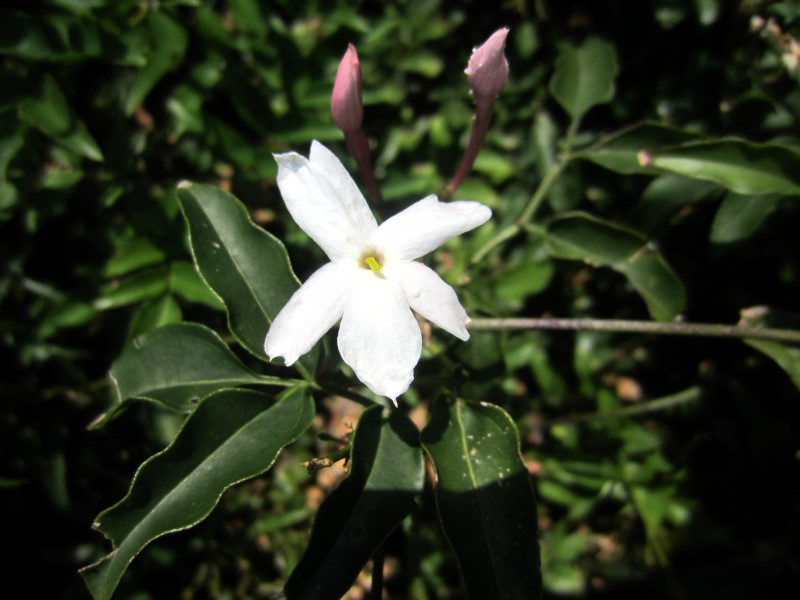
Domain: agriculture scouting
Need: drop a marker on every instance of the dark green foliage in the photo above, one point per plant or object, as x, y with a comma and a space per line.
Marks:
662, 467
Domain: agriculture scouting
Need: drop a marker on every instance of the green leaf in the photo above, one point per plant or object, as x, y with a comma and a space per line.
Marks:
524, 279
579, 236
738, 217
185, 281
144, 285
742, 167
664, 197
176, 365
386, 474
485, 498
620, 152
232, 436
170, 41
27, 37
133, 254
156, 313
52, 115
245, 266
786, 356
584, 77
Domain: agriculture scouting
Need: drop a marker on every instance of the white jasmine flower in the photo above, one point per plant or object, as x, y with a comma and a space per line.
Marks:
373, 280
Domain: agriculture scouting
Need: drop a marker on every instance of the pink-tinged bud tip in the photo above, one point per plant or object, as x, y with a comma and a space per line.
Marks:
487, 70
346, 105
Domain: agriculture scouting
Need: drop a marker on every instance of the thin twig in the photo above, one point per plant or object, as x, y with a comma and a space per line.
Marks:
689, 395
654, 327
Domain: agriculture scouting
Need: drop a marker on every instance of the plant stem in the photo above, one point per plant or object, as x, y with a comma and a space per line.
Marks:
688, 395
358, 146
530, 210
654, 327
480, 127
538, 196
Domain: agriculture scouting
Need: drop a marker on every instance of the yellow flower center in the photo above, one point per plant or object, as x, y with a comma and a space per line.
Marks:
372, 263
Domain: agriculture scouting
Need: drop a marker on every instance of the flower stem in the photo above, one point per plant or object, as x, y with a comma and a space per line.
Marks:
480, 126
538, 196
358, 146
654, 327
530, 210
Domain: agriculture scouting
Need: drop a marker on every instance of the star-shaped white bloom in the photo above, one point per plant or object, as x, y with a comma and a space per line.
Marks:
373, 280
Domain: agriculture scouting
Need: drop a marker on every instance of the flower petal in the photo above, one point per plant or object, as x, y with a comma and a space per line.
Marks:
426, 225
431, 297
325, 202
310, 313
379, 336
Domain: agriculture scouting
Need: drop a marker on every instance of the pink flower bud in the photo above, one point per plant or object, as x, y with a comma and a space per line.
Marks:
346, 105
487, 70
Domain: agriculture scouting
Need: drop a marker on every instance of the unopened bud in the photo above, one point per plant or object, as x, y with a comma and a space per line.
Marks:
346, 105
487, 70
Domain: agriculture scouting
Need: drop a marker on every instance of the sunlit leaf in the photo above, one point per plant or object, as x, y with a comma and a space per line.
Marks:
621, 151
742, 167
185, 281
233, 435
485, 498
156, 313
176, 365
584, 77
144, 285
386, 474
133, 254
739, 216
579, 236
245, 266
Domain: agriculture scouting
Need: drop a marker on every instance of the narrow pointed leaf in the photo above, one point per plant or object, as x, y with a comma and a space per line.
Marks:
52, 114
786, 356
177, 365
233, 435
739, 216
740, 166
621, 151
170, 42
386, 473
584, 77
245, 266
579, 236
145, 284
155, 314
485, 499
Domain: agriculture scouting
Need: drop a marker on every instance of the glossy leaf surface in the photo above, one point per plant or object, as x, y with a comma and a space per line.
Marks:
579, 236
739, 216
742, 167
485, 498
233, 435
386, 474
177, 365
620, 152
584, 77
246, 266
